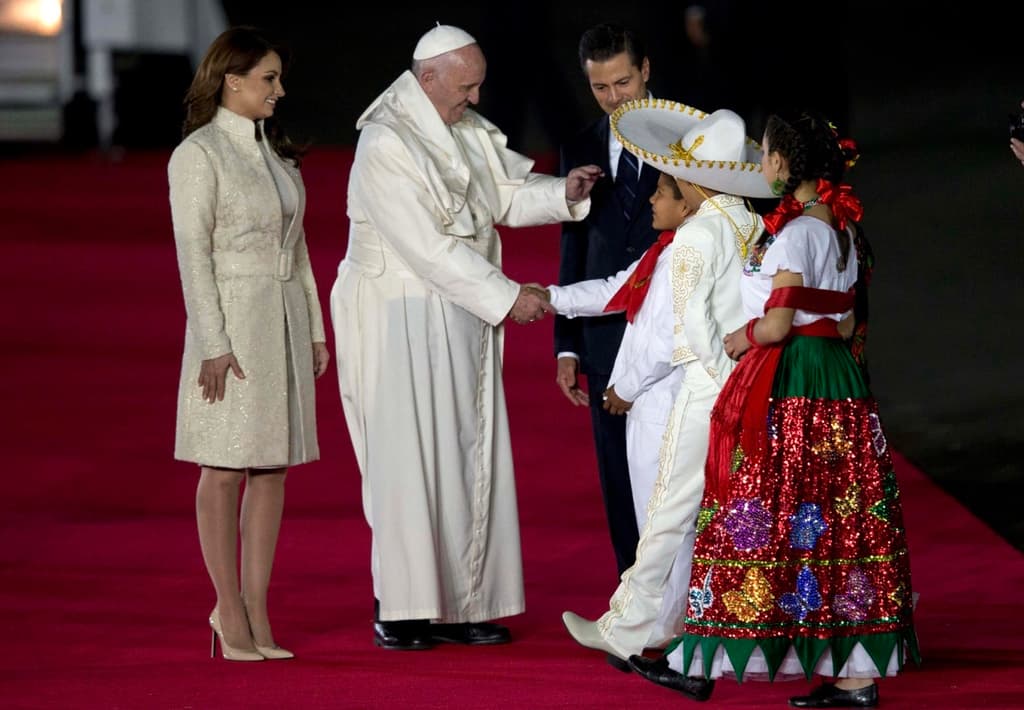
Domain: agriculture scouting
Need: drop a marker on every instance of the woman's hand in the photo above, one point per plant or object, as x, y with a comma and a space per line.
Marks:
213, 374
736, 343
320, 359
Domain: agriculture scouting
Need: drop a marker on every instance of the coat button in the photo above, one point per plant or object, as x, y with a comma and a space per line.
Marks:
630, 250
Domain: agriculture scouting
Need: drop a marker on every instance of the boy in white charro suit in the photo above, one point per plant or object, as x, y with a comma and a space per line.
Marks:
681, 298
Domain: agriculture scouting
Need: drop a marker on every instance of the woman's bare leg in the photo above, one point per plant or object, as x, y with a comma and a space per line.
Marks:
262, 507
217, 521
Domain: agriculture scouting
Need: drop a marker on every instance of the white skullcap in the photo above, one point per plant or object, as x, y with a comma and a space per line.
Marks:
441, 40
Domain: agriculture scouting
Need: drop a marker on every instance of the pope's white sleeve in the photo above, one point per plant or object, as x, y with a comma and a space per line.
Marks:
541, 200
394, 199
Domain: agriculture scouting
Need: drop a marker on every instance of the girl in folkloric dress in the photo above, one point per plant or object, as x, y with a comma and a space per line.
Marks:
254, 340
800, 565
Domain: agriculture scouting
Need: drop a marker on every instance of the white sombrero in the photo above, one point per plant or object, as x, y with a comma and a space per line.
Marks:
711, 150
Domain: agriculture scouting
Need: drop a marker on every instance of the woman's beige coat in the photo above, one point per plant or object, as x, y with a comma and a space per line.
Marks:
249, 290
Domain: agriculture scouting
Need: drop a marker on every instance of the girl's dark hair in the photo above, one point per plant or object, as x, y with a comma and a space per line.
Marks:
810, 145
235, 51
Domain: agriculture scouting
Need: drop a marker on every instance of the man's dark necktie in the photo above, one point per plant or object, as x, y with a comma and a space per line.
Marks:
626, 178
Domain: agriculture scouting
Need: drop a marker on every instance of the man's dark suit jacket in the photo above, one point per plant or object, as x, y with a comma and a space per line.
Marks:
599, 246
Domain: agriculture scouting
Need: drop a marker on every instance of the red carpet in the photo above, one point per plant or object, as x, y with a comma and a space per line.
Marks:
103, 596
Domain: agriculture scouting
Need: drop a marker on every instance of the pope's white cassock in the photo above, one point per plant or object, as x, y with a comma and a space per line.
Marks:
672, 365
417, 309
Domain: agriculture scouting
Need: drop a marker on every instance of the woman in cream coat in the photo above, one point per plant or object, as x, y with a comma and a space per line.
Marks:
237, 203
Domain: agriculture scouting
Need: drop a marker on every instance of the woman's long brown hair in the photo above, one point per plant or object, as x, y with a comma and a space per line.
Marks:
235, 51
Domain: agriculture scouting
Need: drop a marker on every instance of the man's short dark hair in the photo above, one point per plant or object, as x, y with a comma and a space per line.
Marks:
602, 42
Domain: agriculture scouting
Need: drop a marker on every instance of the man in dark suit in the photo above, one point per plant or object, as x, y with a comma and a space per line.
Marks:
614, 235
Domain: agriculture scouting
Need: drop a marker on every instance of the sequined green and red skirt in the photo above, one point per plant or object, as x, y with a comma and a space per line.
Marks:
800, 561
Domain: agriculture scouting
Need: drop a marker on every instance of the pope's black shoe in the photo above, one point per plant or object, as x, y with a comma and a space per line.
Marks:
657, 671
479, 634
404, 635
829, 696
411, 635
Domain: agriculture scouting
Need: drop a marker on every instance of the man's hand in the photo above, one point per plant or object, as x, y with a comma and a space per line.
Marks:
213, 374
613, 403
580, 181
531, 304
1017, 146
1018, 149
568, 382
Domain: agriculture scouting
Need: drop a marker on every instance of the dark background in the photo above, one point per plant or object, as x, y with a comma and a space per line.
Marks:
925, 89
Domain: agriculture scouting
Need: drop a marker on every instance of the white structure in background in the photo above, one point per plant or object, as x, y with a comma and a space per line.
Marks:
37, 74
36, 69
156, 26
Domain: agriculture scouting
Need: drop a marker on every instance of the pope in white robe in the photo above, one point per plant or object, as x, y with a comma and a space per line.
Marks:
417, 308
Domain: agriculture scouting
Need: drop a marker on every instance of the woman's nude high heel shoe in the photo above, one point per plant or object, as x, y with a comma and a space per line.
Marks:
274, 653
229, 653
271, 653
